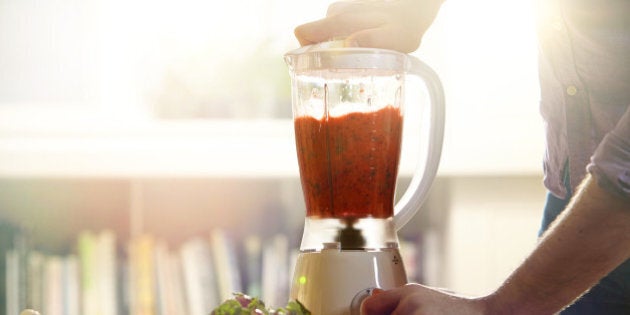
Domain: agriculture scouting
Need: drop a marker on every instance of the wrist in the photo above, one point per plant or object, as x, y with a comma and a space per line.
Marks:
516, 300
494, 304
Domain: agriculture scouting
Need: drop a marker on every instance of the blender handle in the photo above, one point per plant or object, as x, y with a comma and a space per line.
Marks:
423, 177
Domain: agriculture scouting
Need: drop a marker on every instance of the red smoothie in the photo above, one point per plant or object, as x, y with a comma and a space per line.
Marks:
349, 164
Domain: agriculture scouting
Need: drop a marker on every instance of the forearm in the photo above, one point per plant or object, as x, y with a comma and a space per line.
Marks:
586, 242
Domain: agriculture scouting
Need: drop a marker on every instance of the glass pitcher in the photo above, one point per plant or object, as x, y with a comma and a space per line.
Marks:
348, 108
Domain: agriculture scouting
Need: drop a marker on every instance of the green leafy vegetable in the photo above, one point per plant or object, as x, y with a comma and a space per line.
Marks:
242, 304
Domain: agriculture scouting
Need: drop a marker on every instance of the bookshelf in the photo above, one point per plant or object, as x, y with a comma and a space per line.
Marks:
169, 212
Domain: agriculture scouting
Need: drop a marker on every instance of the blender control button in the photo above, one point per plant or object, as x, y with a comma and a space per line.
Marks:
355, 305
396, 260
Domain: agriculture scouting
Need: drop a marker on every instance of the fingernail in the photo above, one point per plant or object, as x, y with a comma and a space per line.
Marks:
376, 291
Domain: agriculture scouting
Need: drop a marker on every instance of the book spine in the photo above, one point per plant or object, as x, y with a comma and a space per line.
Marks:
199, 277
35, 285
12, 282
88, 265
71, 288
53, 286
226, 267
141, 256
106, 282
253, 265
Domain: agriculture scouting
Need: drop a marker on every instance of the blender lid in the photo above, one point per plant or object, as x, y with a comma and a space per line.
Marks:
336, 55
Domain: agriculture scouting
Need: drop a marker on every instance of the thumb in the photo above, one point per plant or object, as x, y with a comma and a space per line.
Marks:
380, 302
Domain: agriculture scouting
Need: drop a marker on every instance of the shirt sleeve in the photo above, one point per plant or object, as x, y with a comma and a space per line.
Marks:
610, 164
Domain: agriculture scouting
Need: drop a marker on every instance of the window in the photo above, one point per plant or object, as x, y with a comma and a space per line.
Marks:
167, 59
77, 65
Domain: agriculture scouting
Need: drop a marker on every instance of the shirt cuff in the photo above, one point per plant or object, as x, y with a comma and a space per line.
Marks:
610, 165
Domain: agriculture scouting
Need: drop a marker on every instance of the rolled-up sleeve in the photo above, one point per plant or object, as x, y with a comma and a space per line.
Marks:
610, 164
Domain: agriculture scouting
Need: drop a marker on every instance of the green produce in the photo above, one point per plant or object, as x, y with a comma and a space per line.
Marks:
242, 304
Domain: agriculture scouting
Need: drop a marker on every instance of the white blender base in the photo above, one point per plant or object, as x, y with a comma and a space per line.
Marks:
334, 282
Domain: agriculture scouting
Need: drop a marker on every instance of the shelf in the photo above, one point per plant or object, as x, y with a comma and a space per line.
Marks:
223, 148
158, 149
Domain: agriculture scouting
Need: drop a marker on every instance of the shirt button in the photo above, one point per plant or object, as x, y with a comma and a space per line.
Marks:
571, 90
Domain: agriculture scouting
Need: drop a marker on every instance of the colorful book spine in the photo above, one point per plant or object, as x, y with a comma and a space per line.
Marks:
199, 277
226, 265
142, 273
13, 263
86, 251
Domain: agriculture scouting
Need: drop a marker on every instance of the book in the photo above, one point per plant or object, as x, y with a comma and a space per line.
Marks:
142, 275
53, 286
226, 265
13, 260
199, 278
169, 288
12, 286
275, 271
71, 285
86, 252
106, 266
177, 291
124, 287
162, 279
253, 265
7, 235
35, 286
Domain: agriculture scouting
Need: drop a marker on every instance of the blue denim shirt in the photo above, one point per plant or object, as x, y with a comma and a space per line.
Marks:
584, 65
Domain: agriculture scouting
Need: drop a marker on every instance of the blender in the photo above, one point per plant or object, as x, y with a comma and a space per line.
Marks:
348, 117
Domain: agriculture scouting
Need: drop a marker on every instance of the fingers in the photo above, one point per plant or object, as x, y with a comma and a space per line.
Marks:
388, 37
397, 25
417, 299
408, 299
366, 29
381, 302
337, 26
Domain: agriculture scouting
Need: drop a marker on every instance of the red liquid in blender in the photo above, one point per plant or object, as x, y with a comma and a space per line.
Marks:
348, 164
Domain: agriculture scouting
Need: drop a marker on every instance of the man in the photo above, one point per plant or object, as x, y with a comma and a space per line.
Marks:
585, 95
